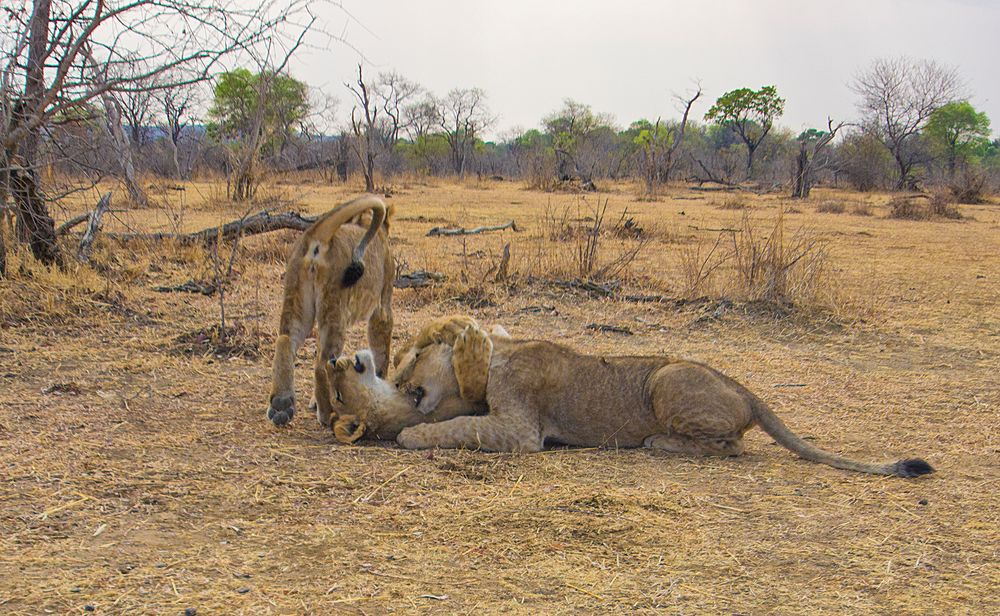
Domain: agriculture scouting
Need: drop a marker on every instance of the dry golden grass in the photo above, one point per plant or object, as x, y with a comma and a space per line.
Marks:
140, 476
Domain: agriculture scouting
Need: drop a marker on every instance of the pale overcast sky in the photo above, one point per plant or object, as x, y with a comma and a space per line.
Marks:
627, 57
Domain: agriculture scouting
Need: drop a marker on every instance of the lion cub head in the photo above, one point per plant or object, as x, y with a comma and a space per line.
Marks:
369, 405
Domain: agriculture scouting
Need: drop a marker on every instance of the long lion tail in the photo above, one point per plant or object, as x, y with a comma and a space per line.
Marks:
332, 220
772, 424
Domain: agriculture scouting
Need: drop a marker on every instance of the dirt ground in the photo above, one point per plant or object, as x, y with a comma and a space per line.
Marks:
138, 474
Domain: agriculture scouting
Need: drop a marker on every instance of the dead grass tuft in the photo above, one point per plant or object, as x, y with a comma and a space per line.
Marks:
831, 207
732, 203
756, 263
921, 207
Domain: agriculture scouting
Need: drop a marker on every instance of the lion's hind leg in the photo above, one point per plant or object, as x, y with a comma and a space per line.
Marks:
675, 443
297, 314
471, 357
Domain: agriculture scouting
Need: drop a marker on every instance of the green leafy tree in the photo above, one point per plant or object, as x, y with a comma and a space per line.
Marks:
749, 114
960, 131
264, 106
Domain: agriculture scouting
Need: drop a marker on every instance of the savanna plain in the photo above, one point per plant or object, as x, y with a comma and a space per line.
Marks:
139, 475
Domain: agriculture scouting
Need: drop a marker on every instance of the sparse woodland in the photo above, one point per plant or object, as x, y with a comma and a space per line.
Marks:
151, 186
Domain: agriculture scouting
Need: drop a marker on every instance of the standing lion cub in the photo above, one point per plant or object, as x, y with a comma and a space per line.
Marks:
537, 390
340, 271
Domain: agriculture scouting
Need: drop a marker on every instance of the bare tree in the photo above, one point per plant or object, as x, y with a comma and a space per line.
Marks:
681, 130
113, 121
364, 125
659, 144
395, 93
811, 145
419, 118
176, 104
898, 96
46, 72
462, 114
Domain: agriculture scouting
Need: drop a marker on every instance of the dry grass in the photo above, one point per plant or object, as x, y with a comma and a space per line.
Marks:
934, 207
757, 261
141, 477
831, 207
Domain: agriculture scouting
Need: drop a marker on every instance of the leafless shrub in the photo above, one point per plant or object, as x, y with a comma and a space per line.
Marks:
862, 208
971, 186
923, 208
757, 263
585, 245
831, 207
733, 203
940, 205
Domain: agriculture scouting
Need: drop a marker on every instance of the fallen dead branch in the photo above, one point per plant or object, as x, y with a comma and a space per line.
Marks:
93, 226
191, 286
645, 299
261, 222
610, 329
418, 278
445, 231
594, 288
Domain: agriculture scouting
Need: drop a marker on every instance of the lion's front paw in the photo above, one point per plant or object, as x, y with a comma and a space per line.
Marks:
412, 438
471, 359
282, 409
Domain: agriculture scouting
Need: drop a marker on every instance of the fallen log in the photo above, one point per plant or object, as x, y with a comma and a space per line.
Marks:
445, 231
601, 290
419, 278
191, 286
611, 329
261, 222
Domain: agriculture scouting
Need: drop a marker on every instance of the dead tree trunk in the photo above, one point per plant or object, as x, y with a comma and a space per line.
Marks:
93, 226
113, 116
120, 139
801, 187
33, 216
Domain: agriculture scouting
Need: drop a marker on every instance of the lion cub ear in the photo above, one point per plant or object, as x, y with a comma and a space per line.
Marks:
341, 364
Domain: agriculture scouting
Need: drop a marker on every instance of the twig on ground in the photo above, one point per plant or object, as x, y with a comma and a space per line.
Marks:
444, 231
612, 329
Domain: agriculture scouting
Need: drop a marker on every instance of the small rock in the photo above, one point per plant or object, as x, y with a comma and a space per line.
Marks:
88, 608
244, 590
74, 589
922, 501
191, 612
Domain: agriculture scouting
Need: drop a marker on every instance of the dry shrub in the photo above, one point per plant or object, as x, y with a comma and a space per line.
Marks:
921, 207
733, 203
34, 292
971, 186
862, 208
831, 207
586, 246
757, 263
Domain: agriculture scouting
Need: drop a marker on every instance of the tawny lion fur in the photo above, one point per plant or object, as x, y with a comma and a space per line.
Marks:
339, 272
537, 390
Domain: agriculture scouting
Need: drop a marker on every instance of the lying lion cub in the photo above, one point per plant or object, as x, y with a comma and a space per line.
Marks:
538, 390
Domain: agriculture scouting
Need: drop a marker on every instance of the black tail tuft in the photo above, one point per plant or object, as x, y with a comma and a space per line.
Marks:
913, 467
353, 273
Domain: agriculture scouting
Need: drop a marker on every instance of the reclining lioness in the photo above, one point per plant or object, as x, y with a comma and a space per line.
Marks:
537, 390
